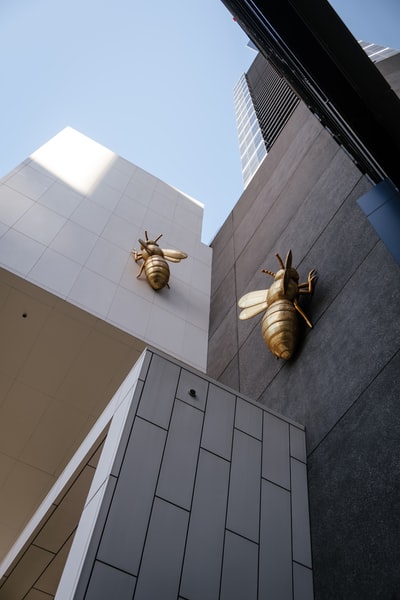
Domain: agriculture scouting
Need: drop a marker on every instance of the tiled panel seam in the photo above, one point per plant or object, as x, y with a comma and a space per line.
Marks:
191, 405
110, 504
260, 505
291, 512
197, 459
44, 568
55, 506
227, 500
280, 195
322, 233
103, 562
194, 486
96, 542
236, 303
297, 562
247, 433
154, 356
244, 537
309, 518
357, 399
34, 586
116, 471
225, 387
157, 482
145, 365
290, 446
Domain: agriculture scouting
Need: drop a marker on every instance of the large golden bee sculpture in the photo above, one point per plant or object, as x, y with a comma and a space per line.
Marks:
279, 325
154, 261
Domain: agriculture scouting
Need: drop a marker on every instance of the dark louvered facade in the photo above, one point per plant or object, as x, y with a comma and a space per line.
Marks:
273, 102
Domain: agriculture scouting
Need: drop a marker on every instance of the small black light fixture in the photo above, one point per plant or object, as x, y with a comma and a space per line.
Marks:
24, 315
192, 393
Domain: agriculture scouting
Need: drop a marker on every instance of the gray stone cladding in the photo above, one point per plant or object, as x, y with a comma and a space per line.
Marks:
343, 383
206, 497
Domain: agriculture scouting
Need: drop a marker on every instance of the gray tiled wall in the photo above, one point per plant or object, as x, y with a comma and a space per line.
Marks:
210, 498
343, 383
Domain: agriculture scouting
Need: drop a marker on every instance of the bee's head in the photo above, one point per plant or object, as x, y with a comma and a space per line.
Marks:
286, 272
149, 245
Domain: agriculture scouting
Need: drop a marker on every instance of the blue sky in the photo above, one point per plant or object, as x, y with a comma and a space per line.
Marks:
151, 81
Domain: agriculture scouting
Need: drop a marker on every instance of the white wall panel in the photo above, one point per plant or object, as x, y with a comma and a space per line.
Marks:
70, 216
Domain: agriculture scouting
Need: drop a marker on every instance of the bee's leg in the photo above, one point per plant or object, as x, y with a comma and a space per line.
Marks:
299, 310
167, 285
308, 286
136, 255
140, 271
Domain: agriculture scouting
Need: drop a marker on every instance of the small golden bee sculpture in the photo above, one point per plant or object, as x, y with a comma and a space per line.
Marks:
154, 261
279, 325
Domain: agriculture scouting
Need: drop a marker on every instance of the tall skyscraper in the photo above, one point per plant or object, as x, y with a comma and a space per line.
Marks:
377, 52
263, 104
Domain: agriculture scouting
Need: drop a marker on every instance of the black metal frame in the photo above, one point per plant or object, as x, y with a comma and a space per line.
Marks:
312, 48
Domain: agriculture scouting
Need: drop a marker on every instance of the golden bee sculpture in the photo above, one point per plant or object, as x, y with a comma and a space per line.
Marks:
154, 261
279, 325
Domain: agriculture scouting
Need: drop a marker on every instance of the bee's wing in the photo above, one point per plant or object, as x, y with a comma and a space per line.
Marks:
253, 304
253, 298
252, 311
174, 255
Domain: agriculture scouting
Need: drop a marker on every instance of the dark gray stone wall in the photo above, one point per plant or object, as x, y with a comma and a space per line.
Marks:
206, 498
390, 69
343, 383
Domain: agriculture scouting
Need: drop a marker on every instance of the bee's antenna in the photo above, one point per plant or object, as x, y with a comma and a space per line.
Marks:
145, 233
288, 263
268, 272
280, 261
156, 240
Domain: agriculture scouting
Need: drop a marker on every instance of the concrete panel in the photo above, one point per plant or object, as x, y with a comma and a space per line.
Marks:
360, 343
79, 565
186, 512
240, 569
300, 514
340, 384
107, 582
74, 236
125, 529
298, 443
159, 392
223, 256
303, 583
180, 457
164, 548
224, 296
190, 381
244, 487
294, 164
248, 418
218, 422
275, 459
275, 576
218, 357
257, 365
203, 558
280, 205
230, 375
354, 511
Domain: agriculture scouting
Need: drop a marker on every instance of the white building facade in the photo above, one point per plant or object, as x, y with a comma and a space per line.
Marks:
74, 316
